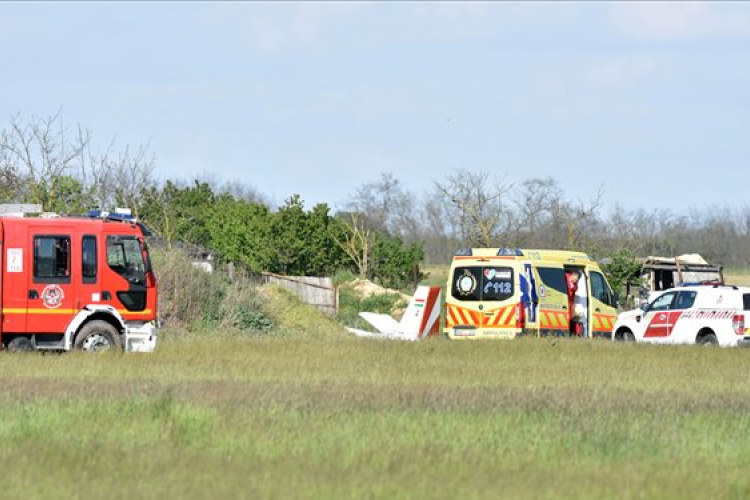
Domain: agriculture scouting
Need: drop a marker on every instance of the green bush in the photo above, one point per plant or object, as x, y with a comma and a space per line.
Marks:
191, 298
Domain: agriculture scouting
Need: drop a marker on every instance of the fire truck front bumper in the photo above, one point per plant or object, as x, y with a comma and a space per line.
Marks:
141, 337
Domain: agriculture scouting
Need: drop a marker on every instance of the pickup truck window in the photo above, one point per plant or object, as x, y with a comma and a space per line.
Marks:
746, 301
685, 300
663, 302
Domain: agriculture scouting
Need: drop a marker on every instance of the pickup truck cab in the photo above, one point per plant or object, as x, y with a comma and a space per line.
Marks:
702, 314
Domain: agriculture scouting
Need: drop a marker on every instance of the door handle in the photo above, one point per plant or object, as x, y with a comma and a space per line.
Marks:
33, 294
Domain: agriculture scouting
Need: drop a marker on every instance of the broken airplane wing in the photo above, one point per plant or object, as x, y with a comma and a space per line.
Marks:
420, 320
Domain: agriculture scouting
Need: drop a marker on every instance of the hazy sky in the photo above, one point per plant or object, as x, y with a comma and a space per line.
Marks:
652, 100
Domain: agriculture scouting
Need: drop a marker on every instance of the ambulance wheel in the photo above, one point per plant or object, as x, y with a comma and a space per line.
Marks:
708, 339
20, 344
97, 336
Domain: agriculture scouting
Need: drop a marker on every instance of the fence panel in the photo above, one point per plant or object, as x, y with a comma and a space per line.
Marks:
318, 292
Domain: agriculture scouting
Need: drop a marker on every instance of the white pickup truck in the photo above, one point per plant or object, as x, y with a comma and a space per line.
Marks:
703, 314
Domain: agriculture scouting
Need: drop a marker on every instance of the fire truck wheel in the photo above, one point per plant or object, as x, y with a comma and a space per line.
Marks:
20, 344
97, 336
708, 339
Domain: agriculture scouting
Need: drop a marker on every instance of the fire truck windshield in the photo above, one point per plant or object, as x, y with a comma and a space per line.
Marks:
125, 257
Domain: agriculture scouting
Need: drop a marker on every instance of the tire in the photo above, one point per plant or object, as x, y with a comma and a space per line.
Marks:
627, 336
708, 339
20, 344
97, 336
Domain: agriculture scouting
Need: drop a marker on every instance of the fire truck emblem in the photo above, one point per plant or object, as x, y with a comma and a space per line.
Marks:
52, 296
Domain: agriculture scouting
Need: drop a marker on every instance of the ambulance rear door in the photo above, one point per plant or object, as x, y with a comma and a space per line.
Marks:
552, 290
482, 298
602, 312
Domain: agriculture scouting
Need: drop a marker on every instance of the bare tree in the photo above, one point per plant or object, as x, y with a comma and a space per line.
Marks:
387, 206
133, 174
478, 206
439, 242
40, 151
355, 242
576, 219
236, 189
97, 171
535, 201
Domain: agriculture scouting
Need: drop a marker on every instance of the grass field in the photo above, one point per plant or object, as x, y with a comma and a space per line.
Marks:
348, 418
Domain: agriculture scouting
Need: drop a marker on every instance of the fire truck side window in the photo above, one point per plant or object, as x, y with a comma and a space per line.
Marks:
88, 259
125, 257
52, 259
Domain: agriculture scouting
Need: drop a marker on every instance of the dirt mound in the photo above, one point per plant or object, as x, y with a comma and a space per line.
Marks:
366, 288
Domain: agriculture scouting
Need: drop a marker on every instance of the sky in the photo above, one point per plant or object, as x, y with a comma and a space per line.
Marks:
650, 101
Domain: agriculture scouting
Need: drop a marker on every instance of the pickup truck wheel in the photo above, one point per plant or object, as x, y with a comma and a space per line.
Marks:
97, 336
20, 344
627, 336
708, 339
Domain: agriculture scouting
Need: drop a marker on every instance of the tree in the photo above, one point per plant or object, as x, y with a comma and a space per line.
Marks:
395, 264
386, 206
179, 213
37, 152
622, 269
301, 242
479, 206
353, 237
535, 201
240, 232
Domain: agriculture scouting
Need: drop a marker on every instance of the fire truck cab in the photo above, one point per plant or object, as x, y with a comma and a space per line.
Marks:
76, 283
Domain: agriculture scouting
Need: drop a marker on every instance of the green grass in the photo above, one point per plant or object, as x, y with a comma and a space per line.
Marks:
351, 304
436, 275
250, 417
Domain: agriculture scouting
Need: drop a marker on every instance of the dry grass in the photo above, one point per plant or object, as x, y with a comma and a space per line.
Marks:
739, 277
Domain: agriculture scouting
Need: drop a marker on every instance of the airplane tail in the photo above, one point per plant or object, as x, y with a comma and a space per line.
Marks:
421, 319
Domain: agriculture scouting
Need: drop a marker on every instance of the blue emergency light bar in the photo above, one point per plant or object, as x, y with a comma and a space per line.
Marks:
510, 252
103, 214
464, 252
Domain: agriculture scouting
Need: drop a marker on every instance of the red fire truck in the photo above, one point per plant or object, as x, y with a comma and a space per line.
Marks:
76, 283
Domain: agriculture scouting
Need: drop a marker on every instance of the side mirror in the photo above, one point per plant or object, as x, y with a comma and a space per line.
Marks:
644, 306
615, 300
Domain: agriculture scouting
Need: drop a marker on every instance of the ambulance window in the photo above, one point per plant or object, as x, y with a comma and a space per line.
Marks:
88, 259
685, 300
465, 283
746, 301
52, 259
600, 289
482, 283
497, 283
553, 277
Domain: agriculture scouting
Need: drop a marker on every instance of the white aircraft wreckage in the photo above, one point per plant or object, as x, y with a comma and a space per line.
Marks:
421, 319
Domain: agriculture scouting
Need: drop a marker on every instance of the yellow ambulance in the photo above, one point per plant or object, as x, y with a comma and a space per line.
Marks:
510, 292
